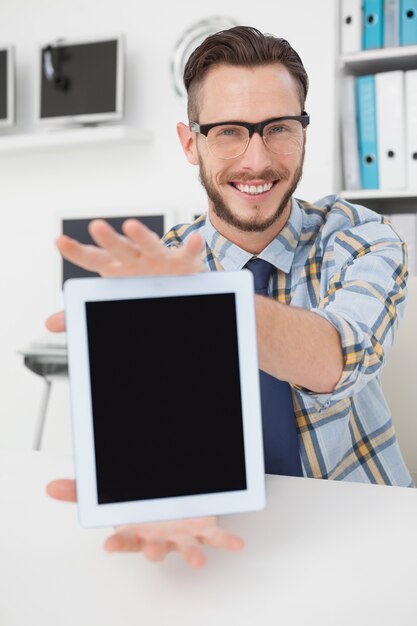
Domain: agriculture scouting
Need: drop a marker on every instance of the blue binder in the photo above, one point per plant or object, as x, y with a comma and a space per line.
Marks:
367, 131
373, 24
408, 22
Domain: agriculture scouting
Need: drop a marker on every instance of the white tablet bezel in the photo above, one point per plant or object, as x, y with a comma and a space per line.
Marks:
80, 291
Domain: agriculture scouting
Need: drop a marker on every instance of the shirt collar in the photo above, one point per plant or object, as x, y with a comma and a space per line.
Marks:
279, 252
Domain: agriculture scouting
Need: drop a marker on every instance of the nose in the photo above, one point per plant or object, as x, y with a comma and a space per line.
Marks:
256, 157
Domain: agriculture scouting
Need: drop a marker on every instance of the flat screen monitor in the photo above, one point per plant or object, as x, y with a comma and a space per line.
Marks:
78, 229
81, 81
7, 117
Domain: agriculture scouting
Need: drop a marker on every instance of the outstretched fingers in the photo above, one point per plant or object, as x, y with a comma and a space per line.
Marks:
187, 537
117, 246
128, 539
91, 258
124, 540
219, 538
190, 550
145, 239
137, 252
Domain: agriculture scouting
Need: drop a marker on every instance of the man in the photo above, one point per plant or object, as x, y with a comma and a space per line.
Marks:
340, 267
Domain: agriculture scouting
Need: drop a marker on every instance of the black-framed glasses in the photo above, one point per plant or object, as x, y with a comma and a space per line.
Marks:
229, 140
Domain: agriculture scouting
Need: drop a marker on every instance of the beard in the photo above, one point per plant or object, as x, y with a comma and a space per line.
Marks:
256, 224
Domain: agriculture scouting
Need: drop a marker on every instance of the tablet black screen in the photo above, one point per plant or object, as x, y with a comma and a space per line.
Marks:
166, 397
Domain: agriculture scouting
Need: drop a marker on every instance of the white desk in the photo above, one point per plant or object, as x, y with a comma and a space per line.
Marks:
322, 553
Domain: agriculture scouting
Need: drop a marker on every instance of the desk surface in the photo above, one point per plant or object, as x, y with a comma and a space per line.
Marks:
321, 553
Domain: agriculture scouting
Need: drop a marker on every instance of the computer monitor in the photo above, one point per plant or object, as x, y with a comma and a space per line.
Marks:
7, 86
81, 81
78, 229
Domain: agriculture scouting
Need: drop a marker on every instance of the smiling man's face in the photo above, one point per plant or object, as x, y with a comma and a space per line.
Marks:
249, 193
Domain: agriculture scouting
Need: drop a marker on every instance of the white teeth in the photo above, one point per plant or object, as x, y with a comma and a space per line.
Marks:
252, 189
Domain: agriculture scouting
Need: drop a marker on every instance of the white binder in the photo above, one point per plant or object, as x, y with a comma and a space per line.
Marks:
411, 127
350, 149
390, 119
391, 23
405, 225
351, 26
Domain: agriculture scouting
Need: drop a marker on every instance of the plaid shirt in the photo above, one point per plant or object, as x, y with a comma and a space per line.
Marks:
345, 263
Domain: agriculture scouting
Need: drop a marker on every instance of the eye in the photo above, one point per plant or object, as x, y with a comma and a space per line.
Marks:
277, 130
227, 132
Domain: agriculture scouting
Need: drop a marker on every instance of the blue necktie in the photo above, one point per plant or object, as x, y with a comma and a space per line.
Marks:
281, 450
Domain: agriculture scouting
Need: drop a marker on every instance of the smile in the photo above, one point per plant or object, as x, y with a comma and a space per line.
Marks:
253, 190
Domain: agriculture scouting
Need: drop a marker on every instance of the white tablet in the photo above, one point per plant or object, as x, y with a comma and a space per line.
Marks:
165, 397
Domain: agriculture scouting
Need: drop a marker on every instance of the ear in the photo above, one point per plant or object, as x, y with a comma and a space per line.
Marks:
188, 141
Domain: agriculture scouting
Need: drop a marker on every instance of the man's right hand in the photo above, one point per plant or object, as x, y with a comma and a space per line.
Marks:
156, 540
138, 252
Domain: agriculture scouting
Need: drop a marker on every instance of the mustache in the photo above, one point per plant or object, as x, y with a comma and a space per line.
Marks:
269, 175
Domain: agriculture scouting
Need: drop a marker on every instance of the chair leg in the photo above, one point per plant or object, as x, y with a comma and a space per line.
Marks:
37, 440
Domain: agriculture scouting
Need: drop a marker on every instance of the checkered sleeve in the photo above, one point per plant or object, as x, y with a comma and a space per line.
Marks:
364, 300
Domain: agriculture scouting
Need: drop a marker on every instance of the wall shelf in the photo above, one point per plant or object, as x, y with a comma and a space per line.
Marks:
384, 201
385, 59
73, 137
378, 194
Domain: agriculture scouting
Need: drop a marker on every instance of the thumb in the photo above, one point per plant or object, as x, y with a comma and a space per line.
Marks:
64, 489
56, 322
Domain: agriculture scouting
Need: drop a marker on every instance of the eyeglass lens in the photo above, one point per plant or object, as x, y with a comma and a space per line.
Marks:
230, 141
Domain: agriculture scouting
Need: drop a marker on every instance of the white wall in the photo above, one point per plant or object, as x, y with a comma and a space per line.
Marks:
38, 188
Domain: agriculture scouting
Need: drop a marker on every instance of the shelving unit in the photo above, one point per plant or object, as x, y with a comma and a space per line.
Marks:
370, 62
378, 194
72, 137
384, 201
400, 205
381, 59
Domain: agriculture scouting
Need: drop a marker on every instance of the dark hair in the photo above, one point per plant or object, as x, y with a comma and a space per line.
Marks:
241, 46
